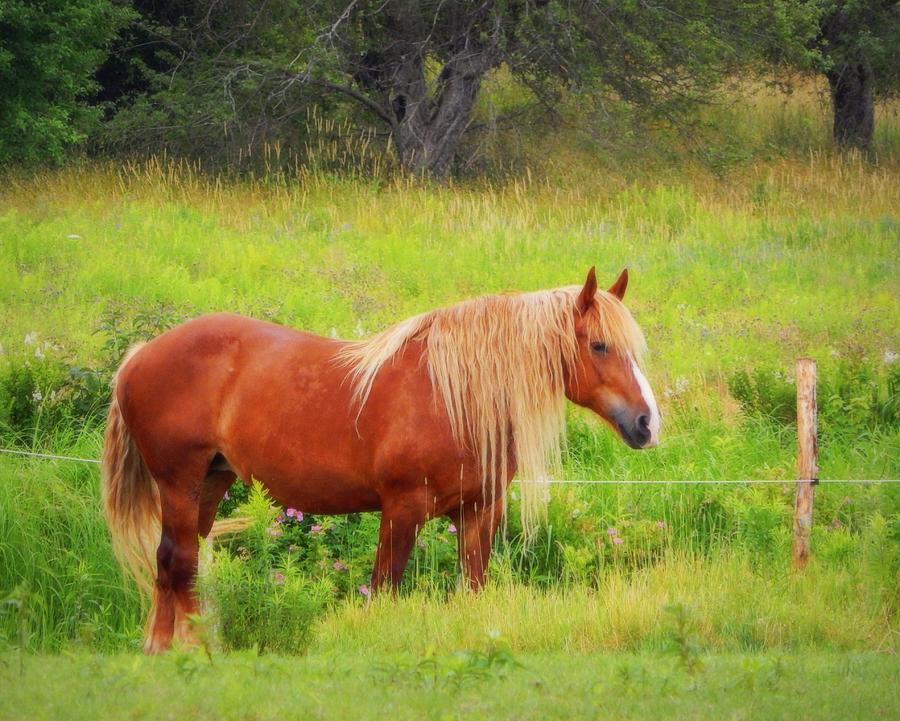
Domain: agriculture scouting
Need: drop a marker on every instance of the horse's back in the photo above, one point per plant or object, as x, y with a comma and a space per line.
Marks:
181, 381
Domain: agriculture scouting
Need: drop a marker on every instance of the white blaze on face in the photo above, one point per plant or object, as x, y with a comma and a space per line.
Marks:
647, 393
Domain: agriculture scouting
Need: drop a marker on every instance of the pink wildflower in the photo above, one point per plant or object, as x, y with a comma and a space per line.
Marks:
660, 525
340, 565
618, 540
452, 528
612, 531
315, 528
295, 514
279, 578
364, 590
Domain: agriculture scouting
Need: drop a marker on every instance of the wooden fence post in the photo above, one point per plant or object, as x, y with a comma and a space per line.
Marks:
807, 468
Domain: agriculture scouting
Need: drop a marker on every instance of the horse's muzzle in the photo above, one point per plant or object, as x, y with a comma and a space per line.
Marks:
636, 432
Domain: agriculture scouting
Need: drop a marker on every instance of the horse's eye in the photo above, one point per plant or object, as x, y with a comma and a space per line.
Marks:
598, 347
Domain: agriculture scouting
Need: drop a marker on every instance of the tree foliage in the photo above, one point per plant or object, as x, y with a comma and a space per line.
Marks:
236, 71
49, 51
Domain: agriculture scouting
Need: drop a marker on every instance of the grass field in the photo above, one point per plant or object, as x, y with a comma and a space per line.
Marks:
736, 270
369, 686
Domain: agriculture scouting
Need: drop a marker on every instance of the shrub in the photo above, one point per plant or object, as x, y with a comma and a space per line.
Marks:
260, 597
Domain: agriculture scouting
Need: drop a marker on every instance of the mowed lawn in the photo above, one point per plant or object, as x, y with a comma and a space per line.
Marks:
366, 686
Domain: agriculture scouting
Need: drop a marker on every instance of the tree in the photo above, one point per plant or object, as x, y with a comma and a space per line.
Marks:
418, 66
415, 67
48, 54
858, 42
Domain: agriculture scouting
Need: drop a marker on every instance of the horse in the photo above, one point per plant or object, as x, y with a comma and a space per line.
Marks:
431, 417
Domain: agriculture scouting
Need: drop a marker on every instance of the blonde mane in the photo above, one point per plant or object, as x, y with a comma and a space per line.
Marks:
499, 364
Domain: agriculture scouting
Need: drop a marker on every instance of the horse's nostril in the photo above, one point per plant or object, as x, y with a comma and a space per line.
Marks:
643, 423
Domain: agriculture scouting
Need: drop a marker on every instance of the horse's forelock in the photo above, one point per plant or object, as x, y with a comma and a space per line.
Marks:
611, 322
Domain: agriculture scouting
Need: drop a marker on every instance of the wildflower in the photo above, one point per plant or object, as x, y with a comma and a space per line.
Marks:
660, 525
37, 396
295, 514
611, 531
618, 540
889, 357
279, 578
451, 528
364, 590
293, 548
315, 528
275, 531
339, 565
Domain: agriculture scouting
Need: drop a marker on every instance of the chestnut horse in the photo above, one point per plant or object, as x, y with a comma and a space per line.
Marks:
431, 417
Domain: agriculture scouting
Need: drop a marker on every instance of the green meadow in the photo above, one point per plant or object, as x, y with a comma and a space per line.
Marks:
474, 686
737, 267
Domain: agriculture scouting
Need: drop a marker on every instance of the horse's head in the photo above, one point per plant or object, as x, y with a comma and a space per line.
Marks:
606, 377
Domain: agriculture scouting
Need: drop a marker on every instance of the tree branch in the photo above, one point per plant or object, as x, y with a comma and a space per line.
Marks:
359, 97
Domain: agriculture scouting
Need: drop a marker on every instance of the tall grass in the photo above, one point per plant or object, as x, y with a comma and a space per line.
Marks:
731, 605
57, 569
723, 552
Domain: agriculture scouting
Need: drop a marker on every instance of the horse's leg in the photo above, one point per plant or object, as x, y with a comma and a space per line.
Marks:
174, 599
400, 524
214, 487
475, 529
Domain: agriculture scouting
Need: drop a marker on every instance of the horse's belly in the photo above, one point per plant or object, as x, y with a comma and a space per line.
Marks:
300, 442
320, 492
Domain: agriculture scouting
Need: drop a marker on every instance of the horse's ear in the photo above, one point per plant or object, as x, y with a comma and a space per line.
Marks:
586, 297
618, 288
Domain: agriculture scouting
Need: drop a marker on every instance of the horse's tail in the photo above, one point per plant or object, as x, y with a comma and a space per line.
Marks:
130, 497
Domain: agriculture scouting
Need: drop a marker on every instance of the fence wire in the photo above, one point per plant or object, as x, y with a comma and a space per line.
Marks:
560, 481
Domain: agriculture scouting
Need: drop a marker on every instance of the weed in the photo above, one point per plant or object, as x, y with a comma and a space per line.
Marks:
682, 642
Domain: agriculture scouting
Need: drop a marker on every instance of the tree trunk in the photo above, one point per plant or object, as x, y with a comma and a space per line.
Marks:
853, 104
430, 126
427, 141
